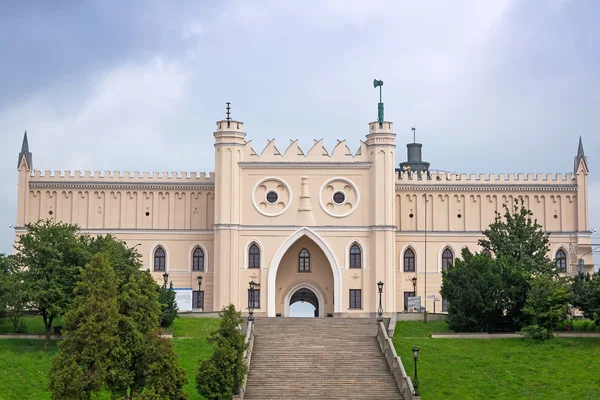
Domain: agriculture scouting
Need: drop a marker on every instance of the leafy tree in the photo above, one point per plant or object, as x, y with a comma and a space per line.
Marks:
521, 243
475, 291
164, 376
547, 305
586, 295
52, 254
220, 376
168, 304
91, 327
13, 291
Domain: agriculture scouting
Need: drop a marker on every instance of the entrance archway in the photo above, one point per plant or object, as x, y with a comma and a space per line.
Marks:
304, 292
287, 274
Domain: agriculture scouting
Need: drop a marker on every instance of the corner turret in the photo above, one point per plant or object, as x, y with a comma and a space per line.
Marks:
414, 160
25, 157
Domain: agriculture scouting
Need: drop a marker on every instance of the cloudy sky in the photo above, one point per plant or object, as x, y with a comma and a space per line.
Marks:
494, 86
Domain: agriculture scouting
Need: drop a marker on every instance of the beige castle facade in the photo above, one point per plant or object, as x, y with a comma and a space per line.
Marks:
319, 226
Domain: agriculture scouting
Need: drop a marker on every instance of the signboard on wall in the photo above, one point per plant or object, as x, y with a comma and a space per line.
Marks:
414, 304
183, 298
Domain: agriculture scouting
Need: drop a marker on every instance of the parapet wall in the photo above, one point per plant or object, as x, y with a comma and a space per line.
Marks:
120, 176
512, 178
293, 153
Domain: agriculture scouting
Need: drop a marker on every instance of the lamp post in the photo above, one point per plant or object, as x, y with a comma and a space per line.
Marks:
166, 278
415, 351
380, 310
199, 278
414, 282
251, 301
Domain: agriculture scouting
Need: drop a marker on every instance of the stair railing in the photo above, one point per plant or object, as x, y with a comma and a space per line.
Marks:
395, 364
249, 342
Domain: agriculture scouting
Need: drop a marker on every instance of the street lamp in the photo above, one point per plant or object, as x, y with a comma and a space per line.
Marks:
166, 278
251, 301
414, 282
380, 310
199, 278
415, 351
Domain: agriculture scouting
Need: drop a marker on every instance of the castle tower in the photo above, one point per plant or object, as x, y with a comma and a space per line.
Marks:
414, 160
229, 143
581, 172
381, 147
24, 166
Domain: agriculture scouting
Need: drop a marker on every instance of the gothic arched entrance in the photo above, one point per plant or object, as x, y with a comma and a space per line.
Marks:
303, 262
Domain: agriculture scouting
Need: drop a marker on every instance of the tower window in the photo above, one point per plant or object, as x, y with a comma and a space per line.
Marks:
253, 256
304, 261
198, 260
355, 256
561, 260
409, 261
159, 259
447, 259
339, 197
355, 298
272, 197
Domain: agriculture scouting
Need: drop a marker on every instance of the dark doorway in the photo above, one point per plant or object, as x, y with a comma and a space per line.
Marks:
303, 299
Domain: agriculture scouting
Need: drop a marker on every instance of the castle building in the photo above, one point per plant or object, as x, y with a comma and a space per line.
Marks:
318, 226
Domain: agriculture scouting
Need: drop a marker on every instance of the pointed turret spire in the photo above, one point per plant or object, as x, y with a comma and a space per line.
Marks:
580, 157
25, 153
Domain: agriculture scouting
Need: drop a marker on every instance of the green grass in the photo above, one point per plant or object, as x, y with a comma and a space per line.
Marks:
35, 325
499, 368
585, 325
25, 364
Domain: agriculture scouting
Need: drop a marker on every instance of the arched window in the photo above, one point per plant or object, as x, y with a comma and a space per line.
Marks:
409, 261
486, 253
254, 256
304, 261
355, 256
561, 260
447, 259
198, 260
159, 259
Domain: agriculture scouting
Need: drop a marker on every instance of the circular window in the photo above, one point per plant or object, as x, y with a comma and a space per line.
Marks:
339, 197
272, 197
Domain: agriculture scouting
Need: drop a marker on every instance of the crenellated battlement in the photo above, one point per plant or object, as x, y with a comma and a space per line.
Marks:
503, 178
122, 176
293, 153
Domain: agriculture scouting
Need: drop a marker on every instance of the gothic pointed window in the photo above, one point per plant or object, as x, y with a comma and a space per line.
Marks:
304, 261
198, 260
561, 260
355, 256
159, 259
486, 253
447, 259
254, 256
409, 260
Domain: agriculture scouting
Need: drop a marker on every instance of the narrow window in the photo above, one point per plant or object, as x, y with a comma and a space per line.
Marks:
447, 259
444, 305
355, 298
355, 257
304, 261
486, 253
159, 259
406, 296
198, 260
409, 261
561, 260
253, 298
198, 299
254, 256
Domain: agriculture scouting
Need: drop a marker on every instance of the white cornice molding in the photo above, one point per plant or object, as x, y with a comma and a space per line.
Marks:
120, 185
486, 187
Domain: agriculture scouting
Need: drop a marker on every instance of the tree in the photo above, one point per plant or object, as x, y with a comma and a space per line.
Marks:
547, 305
168, 303
13, 291
586, 295
220, 376
52, 255
475, 292
521, 243
91, 328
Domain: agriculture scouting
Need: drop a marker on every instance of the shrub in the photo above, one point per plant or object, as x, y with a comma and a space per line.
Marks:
22, 328
536, 332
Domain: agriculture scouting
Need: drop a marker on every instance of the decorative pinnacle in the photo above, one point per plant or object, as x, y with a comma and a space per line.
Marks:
228, 114
379, 83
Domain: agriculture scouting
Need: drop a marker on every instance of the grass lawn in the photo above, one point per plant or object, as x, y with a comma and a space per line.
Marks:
499, 368
25, 364
35, 325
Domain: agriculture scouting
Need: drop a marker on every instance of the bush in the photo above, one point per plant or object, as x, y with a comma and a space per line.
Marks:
536, 332
168, 303
22, 328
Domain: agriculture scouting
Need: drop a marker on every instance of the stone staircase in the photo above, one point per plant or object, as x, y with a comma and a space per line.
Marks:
318, 358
